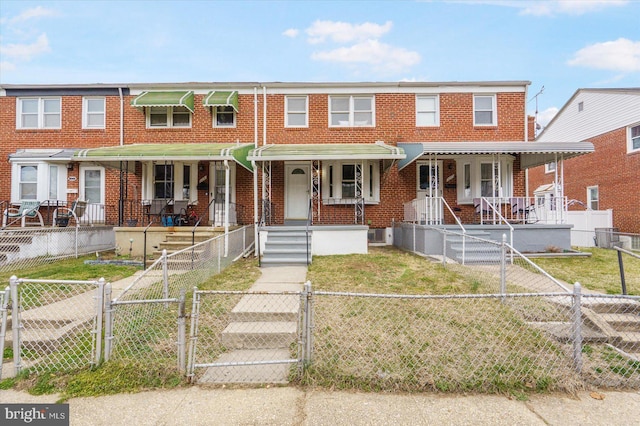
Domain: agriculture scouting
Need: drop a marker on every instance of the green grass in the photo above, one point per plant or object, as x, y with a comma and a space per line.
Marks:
599, 272
72, 269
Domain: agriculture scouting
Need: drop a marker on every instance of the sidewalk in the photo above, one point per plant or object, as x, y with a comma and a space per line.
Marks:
294, 406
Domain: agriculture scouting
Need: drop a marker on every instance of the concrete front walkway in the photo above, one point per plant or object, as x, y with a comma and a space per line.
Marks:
294, 406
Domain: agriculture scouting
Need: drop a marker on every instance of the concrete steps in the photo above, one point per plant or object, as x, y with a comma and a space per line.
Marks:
475, 251
287, 245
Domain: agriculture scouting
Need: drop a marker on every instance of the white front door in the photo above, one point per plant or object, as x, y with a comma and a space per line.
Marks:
297, 191
92, 191
429, 186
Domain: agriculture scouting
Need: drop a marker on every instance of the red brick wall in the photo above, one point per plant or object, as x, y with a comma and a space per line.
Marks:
616, 173
395, 122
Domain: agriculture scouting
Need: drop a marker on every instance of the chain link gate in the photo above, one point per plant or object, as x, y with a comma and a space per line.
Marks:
248, 337
56, 324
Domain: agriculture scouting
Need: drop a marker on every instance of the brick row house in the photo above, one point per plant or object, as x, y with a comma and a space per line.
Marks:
610, 177
349, 157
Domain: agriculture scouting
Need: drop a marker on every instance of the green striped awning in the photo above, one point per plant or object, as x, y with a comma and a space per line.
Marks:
164, 99
170, 152
219, 98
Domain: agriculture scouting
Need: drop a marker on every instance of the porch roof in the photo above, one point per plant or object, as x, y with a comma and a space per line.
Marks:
169, 152
329, 151
532, 154
62, 155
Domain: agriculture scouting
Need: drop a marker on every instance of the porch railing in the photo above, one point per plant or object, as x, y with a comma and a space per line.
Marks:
521, 210
497, 217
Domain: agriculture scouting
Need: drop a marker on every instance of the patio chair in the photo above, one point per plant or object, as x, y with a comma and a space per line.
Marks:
180, 212
482, 208
62, 215
29, 209
520, 210
158, 207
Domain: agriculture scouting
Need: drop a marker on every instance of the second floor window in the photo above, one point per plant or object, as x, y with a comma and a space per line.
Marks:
93, 113
427, 111
351, 111
39, 113
634, 138
484, 110
224, 116
176, 116
296, 111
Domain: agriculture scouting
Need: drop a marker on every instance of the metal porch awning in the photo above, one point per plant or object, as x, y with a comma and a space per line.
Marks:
330, 151
164, 99
532, 154
221, 98
51, 155
169, 152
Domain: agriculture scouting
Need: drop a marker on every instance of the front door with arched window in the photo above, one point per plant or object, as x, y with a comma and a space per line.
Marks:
297, 191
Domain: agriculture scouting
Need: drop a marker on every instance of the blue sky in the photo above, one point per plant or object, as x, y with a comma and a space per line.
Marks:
561, 45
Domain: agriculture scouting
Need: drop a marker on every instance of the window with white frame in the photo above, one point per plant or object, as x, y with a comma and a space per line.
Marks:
483, 177
484, 110
176, 116
427, 110
341, 178
593, 197
351, 111
171, 180
93, 112
296, 111
163, 181
550, 167
39, 113
634, 139
224, 116
38, 181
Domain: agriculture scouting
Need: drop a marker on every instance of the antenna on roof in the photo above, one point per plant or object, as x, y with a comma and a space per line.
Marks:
535, 120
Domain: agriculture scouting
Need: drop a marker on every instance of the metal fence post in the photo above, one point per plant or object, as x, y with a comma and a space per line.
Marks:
308, 312
98, 327
3, 322
444, 248
165, 277
181, 332
577, 327
219, 255
108, 322
15, 323
77, 237
503, 267
193, 336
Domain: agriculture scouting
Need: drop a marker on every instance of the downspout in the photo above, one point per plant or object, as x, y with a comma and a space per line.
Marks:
226, 207
122, 184
264, 116
255, 171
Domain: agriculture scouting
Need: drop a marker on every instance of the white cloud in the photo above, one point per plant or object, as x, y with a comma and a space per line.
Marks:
381, 56
26, 51
291, 32
344, 32
6, 67
544, 117
621, 55
36, 12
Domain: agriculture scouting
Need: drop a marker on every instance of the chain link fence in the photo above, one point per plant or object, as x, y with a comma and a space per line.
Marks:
25, 248
56, 325
146, 321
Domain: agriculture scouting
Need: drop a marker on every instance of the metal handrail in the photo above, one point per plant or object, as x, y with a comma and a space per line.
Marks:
499, 215
193, 230
457, 219
623, 281
309, 218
